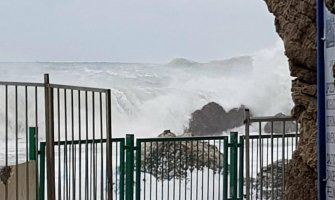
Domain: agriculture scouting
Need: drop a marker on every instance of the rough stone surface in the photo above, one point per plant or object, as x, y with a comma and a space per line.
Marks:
295, 22
278, 127
5, 173
168, 160
212, 119
272, 188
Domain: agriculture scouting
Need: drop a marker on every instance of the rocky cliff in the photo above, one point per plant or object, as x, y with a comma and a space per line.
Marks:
295, 22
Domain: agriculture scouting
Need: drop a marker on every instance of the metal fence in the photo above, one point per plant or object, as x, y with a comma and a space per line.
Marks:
269, 146
19, 109
81, 171
61, 115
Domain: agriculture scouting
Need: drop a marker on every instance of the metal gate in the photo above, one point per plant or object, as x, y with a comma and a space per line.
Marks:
61, 115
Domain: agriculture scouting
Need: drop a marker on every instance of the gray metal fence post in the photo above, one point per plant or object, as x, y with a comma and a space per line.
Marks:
49, 138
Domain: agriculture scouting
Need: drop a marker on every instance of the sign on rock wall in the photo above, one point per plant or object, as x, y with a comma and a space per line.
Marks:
329, 62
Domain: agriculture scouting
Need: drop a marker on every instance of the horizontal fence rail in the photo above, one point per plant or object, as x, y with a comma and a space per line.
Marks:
269, 146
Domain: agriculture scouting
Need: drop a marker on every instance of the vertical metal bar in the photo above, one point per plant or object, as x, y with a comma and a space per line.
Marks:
66, 162
241, 179
109, 144
79, 135
73, 151
129, 167
59, 148
101, 149
145, 170
197, 181
261, 159
162, 168
272, 171
27, 136
42, 172
174, 169
16, 147
86, 148
186, 169
219, 187
247, 153
233, 165
225, 169
32, 143
138, 169
283, 160
321, 108
6, 136
93, 144
37, 142
122, 174
49, 138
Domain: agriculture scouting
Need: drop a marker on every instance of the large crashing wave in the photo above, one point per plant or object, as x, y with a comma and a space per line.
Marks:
148, 98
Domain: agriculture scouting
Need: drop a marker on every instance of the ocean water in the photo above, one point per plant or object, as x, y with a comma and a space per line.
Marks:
149, 98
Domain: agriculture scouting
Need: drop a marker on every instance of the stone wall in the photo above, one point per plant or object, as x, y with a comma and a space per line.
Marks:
295, 22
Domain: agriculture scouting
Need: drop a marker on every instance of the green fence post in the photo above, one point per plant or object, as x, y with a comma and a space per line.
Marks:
138, 170
225, 168
129, 167
233, 166
32, 145
122, 160
241, 160
42, 171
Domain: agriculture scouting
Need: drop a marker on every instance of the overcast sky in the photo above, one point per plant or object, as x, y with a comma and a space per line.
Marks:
133, 30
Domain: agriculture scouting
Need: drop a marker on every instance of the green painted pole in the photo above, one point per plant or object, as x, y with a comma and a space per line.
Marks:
32, 146
129, 167
233, 166
138, 170
42, 171
122, 161
241, 159
225, 168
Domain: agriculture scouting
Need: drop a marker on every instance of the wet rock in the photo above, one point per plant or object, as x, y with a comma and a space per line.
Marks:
168, 159
278, 127
212, 119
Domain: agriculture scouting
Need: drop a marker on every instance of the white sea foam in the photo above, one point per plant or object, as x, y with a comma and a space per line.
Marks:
148, 98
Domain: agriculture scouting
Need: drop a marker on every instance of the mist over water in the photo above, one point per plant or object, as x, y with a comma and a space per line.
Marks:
148, 98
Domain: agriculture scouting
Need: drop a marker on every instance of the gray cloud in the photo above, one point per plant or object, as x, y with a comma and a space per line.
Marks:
129, 30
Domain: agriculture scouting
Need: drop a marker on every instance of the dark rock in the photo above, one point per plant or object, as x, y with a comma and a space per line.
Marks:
272, 188
278, 127
5, 174
168, 159
212, 119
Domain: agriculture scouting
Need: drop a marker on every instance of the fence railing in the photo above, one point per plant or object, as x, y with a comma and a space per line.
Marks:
81, 169
155, 168
269, 146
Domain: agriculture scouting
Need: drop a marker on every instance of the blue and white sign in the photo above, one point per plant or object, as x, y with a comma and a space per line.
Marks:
329, 62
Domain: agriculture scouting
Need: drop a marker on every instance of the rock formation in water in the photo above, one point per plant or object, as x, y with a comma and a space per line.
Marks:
171, 160
295, 22
278, 127
212, 119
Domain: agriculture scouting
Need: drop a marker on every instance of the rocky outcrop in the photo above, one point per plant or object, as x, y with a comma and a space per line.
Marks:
212, 119
172, 160
295, 22
278, 127
271, 179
